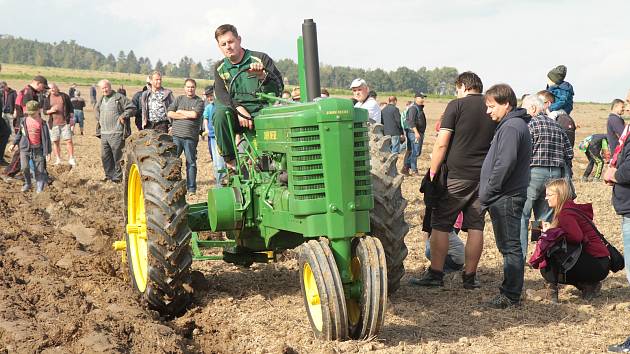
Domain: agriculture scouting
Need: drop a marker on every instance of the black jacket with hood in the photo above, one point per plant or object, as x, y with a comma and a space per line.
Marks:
505, 171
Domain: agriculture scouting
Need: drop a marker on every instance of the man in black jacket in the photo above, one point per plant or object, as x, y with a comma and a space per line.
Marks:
390, 115
417, 122
503, 187
618, 176
136, 100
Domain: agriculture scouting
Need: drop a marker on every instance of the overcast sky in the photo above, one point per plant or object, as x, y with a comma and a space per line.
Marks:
516, 42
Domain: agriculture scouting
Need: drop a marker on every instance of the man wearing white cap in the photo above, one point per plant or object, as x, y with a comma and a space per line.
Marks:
360, 92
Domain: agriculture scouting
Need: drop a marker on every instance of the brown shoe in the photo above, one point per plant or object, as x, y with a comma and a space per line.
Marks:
405, 171
590, 290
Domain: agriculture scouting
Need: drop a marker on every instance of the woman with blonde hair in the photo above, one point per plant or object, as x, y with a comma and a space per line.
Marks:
576, 223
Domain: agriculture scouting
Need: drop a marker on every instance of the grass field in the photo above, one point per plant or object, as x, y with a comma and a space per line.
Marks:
24, 73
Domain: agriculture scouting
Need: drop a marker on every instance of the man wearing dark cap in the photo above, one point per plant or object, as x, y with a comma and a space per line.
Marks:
417, 122
391, 124
32, 92
561, 90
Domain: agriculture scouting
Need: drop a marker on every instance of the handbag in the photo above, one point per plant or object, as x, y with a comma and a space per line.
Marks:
617, 262
564, 255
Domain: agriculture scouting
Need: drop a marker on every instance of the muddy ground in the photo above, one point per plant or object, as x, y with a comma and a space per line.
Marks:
63, 289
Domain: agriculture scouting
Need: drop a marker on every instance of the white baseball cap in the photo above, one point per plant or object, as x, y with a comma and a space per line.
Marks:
358, 83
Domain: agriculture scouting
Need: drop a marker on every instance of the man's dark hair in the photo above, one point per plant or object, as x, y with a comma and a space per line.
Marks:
547, 95
372, 94
190, 80
223, 29
470, 80
615, 102
502, 94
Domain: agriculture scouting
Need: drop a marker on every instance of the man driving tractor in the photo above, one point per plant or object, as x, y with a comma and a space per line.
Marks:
237, 93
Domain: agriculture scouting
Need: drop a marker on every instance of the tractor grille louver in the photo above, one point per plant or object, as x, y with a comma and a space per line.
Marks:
308, 172
362, 175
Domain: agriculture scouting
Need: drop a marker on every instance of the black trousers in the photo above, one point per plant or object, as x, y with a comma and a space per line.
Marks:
588, 269
594, 155
5, 132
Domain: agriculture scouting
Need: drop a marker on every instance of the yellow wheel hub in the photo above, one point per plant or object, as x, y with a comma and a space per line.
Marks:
312, 297
137, 229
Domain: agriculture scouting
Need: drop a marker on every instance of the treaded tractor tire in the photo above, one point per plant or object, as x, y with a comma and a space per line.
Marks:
168, 259
387, 218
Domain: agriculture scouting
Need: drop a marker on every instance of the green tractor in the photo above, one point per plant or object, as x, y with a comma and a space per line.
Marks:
314, 175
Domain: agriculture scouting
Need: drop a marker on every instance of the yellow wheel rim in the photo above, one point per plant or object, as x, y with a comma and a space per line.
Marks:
137, 228
312, 297
354, 310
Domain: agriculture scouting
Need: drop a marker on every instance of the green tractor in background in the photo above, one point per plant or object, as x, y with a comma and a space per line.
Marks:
313, 175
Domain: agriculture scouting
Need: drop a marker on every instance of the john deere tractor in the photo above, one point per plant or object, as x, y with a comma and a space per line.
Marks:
313, 175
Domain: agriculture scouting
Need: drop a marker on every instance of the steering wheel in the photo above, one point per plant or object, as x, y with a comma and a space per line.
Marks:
231, 90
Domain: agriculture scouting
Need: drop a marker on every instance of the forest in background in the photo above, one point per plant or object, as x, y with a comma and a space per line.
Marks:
71, 55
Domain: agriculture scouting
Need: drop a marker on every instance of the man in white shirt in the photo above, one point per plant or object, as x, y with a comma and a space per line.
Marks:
360, 92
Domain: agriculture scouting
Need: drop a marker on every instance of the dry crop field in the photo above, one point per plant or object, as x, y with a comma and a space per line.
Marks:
64, 290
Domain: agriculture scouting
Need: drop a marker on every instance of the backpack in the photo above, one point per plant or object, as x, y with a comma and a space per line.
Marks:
403, 119
585, 143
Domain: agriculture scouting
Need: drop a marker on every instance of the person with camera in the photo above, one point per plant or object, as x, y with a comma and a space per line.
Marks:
575, 222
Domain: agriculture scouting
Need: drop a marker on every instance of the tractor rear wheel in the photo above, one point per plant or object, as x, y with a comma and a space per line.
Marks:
387, 218
366, 316
157, 234
322, 291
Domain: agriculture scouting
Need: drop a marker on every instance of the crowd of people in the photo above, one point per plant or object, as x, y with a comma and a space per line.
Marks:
491, 155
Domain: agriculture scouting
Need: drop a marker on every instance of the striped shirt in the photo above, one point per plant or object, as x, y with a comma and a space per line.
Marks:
551, 146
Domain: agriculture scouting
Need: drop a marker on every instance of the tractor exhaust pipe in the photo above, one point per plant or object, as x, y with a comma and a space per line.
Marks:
311, 60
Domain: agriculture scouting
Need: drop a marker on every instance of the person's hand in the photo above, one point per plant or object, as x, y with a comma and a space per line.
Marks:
52, 110
402, 138
244, 122
416, 139
546, 226
258, 69
121, 120
609, 176
13, 148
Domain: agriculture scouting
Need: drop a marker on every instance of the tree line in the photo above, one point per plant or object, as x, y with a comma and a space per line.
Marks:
69, 54
438, 81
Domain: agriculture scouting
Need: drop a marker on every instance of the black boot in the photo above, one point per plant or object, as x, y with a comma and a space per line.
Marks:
429, 278
470, 281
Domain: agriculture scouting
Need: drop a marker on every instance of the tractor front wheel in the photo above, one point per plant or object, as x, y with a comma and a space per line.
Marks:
157, 234
369, 269
322, 291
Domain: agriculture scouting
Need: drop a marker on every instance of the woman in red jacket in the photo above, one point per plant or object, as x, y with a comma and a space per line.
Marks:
575, 220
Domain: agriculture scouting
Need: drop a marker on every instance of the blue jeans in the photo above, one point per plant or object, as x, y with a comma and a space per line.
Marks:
78, 117
395, 148
189, 147
539, 177
506, 216
217, 161
413, 150
625, 228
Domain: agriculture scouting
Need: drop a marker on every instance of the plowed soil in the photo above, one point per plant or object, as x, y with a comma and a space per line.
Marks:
63, 289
